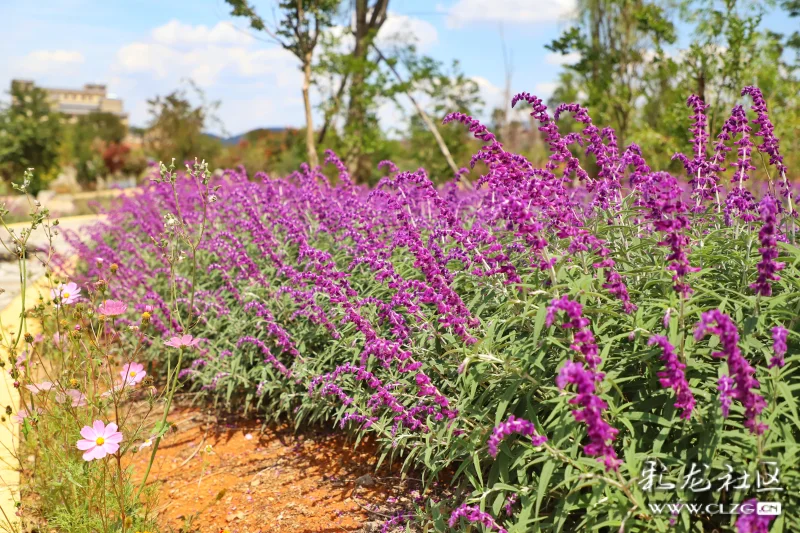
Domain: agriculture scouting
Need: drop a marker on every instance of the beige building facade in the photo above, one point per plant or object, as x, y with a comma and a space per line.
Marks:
92, 98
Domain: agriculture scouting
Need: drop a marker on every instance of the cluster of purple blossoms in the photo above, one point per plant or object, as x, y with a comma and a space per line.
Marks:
741, 384
582, 338
674, 376
753, 522
592, 406
767, 235
779, 334
474, 515
511, 426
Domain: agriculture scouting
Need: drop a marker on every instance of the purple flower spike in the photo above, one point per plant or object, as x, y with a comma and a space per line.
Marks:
600, 432
753, 522
474, 515
779, 334
768, 266
583, 338
510, 426
741, 385
674, 377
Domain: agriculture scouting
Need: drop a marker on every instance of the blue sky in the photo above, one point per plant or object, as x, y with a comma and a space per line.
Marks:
141, 48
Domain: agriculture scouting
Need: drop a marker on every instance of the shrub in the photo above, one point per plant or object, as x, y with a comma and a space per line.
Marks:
547, 339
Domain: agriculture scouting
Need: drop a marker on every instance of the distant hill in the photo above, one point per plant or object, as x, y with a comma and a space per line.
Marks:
236, 138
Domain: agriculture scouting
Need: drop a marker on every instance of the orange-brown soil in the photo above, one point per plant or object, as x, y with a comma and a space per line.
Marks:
243, 478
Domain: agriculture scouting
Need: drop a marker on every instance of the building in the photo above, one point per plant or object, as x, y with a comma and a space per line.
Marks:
93, 98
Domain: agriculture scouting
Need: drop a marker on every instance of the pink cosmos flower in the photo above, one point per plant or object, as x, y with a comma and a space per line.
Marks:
56, 339
22, 414
65, 294
78, 399
44, 386
99, 440
185, 340
132, 374
112, 308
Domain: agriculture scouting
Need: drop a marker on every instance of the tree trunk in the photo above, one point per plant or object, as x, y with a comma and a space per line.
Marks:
311, 148
368, 22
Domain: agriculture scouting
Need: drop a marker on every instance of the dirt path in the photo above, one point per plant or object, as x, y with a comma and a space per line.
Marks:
215, 476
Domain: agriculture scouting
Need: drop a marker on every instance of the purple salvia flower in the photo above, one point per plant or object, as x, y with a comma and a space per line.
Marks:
753, 522
510, 426
599, 431
674, 377
583, 340
510, 501
768, 266
770, 144
715, 322
779, 334
474, 515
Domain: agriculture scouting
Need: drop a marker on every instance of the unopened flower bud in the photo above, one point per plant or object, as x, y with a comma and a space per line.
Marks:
114, 268
146, 318
28, 338
16, 384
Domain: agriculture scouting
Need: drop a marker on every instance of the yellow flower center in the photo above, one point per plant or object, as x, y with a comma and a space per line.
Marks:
100, 441
65, 295
132, 373
146, 315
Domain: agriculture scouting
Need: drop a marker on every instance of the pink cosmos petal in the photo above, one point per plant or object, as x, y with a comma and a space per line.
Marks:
109, 448
99, 427
114, 438
109, 430
88, 433
84, 445
94, 453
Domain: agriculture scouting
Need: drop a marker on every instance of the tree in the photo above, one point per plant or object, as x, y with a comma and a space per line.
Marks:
29, 136
177, 126
87, 138
616, 41
298, 31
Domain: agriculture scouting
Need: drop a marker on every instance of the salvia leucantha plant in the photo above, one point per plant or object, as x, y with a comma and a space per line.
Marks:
568, 350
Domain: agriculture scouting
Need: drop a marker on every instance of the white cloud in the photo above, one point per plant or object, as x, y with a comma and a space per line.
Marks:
176, 33
397, 27
554, 58
513, 11
178, 50
45, 61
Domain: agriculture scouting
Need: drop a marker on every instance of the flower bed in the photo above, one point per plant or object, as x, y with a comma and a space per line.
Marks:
553, 337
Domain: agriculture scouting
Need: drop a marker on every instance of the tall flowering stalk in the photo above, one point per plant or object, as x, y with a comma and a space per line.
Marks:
582, 337
600, 432
779, 334
673, 376
767, 235
770, 144
741, 384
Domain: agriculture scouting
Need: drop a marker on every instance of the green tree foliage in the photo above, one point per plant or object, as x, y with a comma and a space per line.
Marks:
634, 75
29, 136
446, 91
177, 126
85, 141
301, 24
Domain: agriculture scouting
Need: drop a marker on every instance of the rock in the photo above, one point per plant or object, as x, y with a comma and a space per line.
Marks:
255, 483
365, 481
